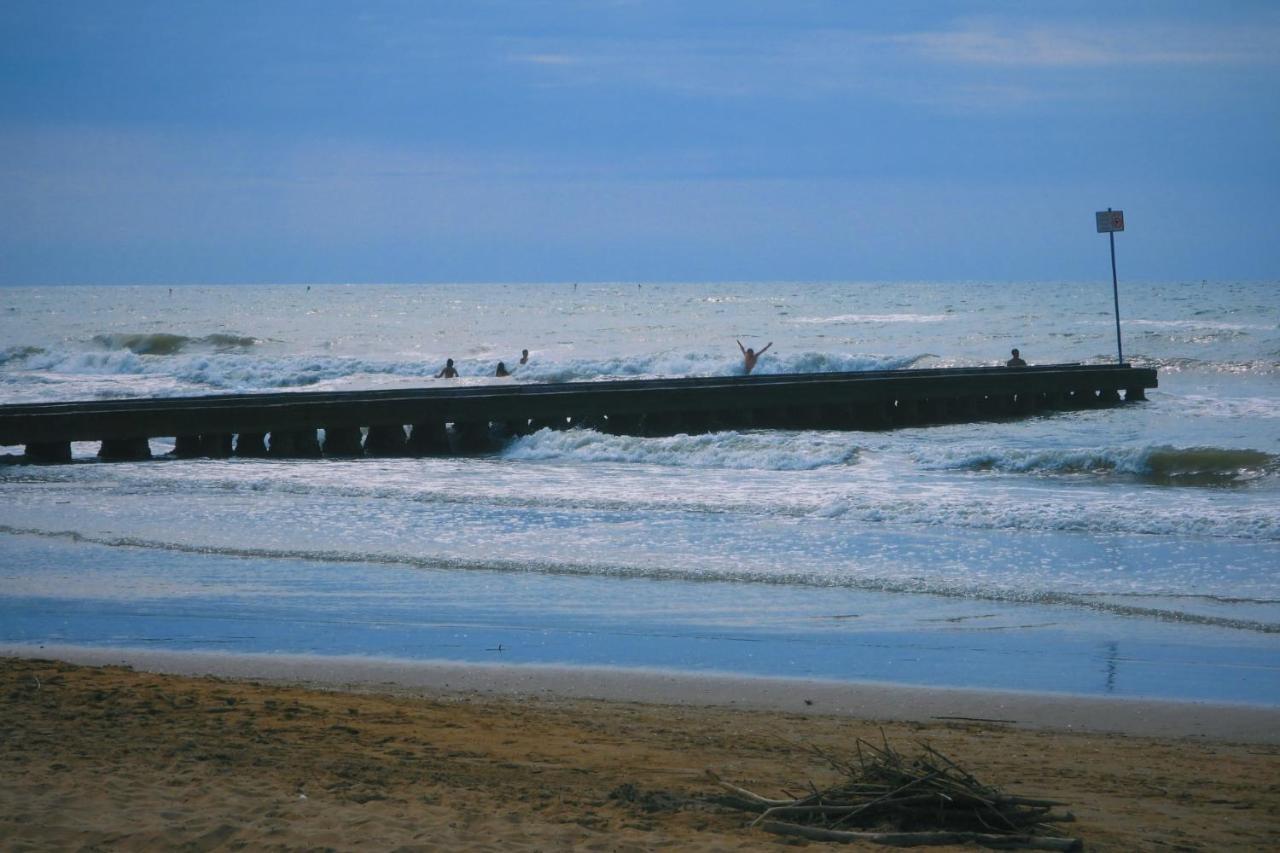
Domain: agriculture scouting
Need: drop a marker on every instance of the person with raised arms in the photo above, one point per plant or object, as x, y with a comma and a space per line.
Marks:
750, 356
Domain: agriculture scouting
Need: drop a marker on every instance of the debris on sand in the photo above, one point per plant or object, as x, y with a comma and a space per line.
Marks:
884, 797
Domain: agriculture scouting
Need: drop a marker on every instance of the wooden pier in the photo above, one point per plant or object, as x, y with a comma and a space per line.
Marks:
450, 419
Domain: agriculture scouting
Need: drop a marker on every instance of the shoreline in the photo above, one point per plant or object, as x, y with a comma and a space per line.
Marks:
857, 700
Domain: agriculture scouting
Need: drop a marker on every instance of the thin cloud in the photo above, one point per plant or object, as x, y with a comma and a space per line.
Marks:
734, 65
553, 59
808, 63
1074, 47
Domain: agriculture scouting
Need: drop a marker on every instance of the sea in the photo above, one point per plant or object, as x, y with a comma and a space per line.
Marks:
1131, 551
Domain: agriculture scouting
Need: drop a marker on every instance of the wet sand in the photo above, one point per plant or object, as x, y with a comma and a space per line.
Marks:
358, 757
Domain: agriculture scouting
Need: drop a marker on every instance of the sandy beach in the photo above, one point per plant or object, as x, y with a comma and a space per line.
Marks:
113, 757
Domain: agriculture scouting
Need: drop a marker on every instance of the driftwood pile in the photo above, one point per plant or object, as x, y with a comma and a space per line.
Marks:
886, 798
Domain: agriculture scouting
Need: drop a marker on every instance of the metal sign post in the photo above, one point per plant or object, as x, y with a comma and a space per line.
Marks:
1109, 222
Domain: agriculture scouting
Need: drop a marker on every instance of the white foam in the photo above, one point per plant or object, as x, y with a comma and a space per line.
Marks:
186, 373
870, 318
1199, 405
1202, 325
1089, 513
735, 450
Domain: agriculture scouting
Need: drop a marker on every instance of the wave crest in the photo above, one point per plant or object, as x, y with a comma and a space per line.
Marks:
20, 353
224, 364
677, 364
1163, 464
1180, 364
167, 343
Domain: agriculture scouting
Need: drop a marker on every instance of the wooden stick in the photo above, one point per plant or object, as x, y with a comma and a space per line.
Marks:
750, 796
924, 839
866, 806
1027, 801
806, 806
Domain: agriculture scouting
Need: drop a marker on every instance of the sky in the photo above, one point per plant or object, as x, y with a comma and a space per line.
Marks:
317, 141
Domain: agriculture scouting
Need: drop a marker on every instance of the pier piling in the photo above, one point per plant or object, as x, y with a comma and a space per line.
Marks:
187, 446
428, 439
342, 441
216, 445
472, 436
48, 451
386, 440
124, 449
251, 445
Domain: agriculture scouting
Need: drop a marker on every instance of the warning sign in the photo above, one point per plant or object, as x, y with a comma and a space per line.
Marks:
1110, 220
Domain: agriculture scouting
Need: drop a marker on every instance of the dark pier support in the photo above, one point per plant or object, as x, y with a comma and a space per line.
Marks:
386, 440
778, 418
1132, 395
342, 441
187, 446
997, 405
211, 445
623, 423
719, 421
837, 417
280, 444
1055, 400
695, 423
293, 444
1084, 398
124, 449
49, 451
306, 443
472, 436
593, 422
967, 409
556, 423
251, 445
217, 445
428, 439
906, 413
660, 424
932, 410
514, 427
873, 415
802, 417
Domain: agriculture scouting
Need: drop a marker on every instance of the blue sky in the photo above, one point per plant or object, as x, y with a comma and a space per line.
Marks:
172, 142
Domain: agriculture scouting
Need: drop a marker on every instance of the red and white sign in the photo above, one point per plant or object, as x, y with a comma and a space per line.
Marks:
1110, 220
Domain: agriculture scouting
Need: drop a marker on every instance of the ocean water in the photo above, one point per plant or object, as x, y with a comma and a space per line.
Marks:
1130, 551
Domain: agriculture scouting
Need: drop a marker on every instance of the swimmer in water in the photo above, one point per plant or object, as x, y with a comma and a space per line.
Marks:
750, 356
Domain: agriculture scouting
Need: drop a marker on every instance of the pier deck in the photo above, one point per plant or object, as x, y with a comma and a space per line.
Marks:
451, 419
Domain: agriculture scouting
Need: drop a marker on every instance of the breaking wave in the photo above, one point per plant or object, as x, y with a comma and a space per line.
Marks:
775, 452
1190, 466
164, 343
676, 364
1183, 364
223, 366
17, 354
